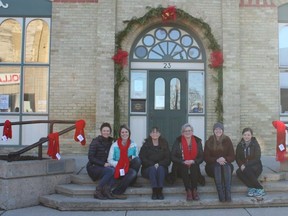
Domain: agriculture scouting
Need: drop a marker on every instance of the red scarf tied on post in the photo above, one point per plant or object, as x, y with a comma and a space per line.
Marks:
281, 140
189, 154
123, 162
53, 145
7, 129
79, 135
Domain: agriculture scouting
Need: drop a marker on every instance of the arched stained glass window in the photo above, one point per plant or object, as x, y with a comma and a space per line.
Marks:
167, 44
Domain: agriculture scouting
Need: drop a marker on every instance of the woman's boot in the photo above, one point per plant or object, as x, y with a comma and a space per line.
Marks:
160, 195
154, 194
189, 195
227, 179
195, 194
218, 182
107, 192
98, 193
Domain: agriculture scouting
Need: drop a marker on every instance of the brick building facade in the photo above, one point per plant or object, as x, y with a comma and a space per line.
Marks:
81, 76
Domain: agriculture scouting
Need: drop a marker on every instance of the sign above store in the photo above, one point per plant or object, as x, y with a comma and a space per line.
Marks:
3, 5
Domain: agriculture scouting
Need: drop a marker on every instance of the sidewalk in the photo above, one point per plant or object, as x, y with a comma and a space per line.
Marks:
43, 211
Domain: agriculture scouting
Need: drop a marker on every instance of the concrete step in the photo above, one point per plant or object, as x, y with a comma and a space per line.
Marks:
78, 195
76, 190
171, 201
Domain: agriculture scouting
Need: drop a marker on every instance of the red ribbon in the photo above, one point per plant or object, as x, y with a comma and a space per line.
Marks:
120, 58
80, 125
169, 13
216, 59
53, 145
7, 129
281, 140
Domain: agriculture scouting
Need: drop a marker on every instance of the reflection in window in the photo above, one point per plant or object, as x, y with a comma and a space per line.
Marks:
175, 94
37, 42
196, 92
10, 41
35, 89
284, 92
283, 44
9, 89
159, 94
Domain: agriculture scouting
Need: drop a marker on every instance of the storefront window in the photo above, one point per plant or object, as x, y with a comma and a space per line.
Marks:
283, 58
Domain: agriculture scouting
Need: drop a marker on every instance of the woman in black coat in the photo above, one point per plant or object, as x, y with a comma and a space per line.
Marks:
97, 167
155, 157
248, 154
187, 154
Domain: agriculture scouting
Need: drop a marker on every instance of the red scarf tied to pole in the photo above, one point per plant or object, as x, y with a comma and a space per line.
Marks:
7, 129
53, 145
281, 141
79, 135
192, 153
123, 162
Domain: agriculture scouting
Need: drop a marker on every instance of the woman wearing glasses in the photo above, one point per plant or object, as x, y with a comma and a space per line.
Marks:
187, 154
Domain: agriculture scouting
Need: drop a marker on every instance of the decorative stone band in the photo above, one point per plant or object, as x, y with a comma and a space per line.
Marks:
74, 1
256, 3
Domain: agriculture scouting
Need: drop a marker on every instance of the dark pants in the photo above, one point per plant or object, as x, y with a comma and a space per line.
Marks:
156, 176
222, 175
189, 176
249, 176
105, 174
130, 178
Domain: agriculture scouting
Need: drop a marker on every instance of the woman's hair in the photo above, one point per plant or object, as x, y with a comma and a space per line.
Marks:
125, 127
105, 124
155, 129
185, 126
247, 129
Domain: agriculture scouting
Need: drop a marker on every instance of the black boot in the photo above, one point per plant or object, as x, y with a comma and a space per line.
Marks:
107, 192
160, 195
98, 194
218, 182
154, 194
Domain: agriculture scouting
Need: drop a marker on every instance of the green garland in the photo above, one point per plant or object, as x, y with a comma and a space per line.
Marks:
150, 15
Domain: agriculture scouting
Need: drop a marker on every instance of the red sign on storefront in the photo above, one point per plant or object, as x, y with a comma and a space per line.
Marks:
8, 79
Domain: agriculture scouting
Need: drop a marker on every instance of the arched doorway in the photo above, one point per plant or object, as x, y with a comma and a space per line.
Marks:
167, 82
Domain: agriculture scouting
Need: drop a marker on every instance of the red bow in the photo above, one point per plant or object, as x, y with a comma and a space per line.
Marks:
79, 131
120, 58
216, 59
53, 145
7, 129
169, 13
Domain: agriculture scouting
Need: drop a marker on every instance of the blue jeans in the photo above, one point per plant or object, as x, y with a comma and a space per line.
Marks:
105, 174
123, 182
156, 176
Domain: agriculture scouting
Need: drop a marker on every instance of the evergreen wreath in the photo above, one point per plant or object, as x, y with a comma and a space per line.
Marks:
216, 63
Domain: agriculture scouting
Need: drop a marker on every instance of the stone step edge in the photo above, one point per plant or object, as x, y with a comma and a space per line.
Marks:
267, 177
75, 190
63, 203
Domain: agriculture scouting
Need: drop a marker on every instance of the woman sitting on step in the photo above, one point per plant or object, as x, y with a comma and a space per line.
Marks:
97, 167
248, 154
187, 154
123, 156
219, 155
155, 157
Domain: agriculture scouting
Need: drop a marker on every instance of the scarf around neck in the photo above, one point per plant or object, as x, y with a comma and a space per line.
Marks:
123, 162
192, 153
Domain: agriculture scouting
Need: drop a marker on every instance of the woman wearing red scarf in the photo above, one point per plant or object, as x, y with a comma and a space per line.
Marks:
123, 155
187, 153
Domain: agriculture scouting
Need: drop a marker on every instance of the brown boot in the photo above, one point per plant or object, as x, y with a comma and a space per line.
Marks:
98, 194
195, 194
189, 195
107, 192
